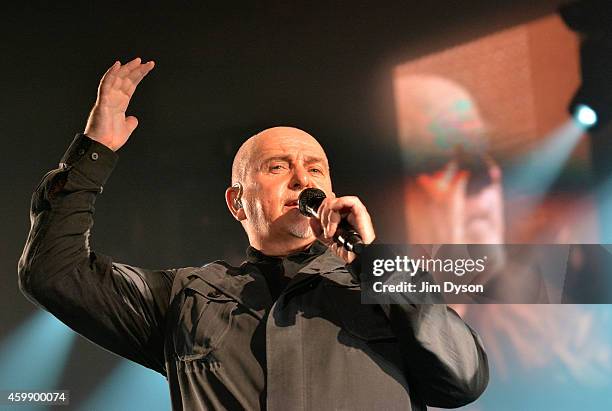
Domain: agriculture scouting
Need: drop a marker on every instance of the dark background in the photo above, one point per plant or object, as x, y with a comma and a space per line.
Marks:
223, 73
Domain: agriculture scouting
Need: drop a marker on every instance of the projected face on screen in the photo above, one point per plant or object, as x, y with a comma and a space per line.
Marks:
501, 97
456, 194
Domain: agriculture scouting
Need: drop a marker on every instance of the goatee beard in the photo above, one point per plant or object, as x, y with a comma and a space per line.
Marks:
301, 230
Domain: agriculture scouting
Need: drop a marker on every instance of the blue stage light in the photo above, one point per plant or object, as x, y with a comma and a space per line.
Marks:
130, 384
585, 115
34, 355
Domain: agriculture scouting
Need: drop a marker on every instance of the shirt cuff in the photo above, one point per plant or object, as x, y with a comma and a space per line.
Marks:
92, 159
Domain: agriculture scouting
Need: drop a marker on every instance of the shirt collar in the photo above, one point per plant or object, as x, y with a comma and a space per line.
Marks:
257, 257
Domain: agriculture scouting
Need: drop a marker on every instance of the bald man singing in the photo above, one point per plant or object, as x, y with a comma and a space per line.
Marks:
285, 330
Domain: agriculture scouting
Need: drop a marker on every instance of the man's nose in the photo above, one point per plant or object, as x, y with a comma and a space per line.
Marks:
300, 178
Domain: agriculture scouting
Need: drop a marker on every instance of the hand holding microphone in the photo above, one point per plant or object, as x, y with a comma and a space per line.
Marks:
342, 220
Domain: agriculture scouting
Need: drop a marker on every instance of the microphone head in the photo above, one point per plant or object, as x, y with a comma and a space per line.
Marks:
310, 200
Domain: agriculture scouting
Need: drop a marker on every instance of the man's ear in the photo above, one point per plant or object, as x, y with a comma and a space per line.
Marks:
233, 200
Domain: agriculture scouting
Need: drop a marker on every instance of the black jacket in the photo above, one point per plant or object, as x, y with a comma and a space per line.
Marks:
215, 331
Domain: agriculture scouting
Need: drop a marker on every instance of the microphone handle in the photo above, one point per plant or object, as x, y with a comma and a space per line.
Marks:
347, 237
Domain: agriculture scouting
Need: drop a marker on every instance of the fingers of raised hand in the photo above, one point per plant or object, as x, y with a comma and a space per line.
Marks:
136, 75
124, 78
112, 69
130, 65
109, 77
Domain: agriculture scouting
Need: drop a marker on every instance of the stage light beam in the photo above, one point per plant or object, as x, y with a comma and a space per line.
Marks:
130, 384
33, 357
534, 173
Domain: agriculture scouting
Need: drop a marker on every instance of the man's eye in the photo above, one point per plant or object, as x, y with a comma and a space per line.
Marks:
315, 170
277, 167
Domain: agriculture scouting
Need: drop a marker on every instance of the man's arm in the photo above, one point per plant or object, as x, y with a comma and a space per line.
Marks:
117, 306
444, 358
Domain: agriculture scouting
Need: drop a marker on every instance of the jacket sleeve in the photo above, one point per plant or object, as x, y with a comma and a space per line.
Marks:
117, 306
444, 357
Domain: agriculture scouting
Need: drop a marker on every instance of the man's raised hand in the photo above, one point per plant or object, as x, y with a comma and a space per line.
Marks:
107, 122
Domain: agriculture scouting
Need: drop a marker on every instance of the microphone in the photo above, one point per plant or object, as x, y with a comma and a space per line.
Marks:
309, 201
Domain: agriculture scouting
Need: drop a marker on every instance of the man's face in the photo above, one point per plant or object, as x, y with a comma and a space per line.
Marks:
284, 161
